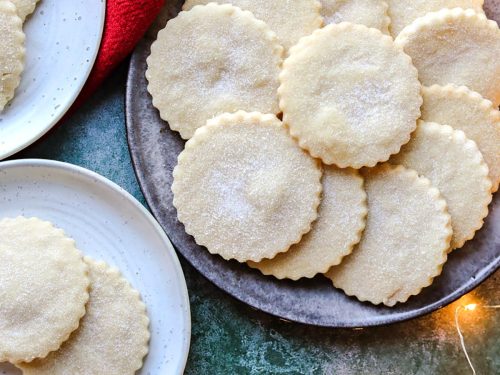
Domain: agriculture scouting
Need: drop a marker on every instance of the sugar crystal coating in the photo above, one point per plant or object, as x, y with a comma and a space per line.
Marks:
341, 220
113, 335
290, 20
402, 13
468, 111
405, 241
210, 60
43, 288
455, 166
244, 189
371, 13
455, 46
349, 95
11, 51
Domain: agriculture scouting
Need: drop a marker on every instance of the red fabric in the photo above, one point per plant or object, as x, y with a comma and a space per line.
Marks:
126, 22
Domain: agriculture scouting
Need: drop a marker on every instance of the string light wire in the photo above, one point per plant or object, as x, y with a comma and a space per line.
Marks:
469, 307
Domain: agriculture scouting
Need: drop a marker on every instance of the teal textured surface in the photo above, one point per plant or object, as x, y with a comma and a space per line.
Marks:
231, 338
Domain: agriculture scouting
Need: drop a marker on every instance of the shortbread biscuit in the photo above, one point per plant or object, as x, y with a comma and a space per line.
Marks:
455, 46
244, 189
341, 220
11, 51
43, 288
113, 335
405, 242
210, 60
371, 13
25, 7
402, 13
468, 111
456, 167
349, 95
290, 20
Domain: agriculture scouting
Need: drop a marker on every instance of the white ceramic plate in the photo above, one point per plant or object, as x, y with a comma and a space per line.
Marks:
109, 224
62, 40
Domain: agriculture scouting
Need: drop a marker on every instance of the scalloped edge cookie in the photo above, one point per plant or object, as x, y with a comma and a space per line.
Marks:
284, 22
237, 202
371, 13
387, 280
25, 7
477, 75
334, 144
401, 16
340, 224
12, 43
70, 359
484, 128
49, 329
185, 110
465, 219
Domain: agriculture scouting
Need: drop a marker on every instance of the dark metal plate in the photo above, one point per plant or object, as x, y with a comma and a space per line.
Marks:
154, 150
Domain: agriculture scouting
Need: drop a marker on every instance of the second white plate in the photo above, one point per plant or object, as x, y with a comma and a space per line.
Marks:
62, 41
107, 223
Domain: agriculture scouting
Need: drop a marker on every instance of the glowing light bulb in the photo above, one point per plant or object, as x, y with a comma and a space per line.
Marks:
470, 306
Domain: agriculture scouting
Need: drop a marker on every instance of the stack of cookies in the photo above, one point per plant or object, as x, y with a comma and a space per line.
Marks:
365, 149
61, 313
13, 13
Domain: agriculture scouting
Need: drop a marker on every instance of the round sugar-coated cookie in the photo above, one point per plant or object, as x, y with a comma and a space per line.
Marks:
244, 189
341, 220
290, 20
11, 51
402, 13
349, 95
210, 60
405, 242
371, 13
25, 7
468, 111
43, 288
455, 166
113, 335
458, 46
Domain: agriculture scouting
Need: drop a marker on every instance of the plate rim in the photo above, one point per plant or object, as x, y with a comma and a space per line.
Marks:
99, 179
377, 321
72, 98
